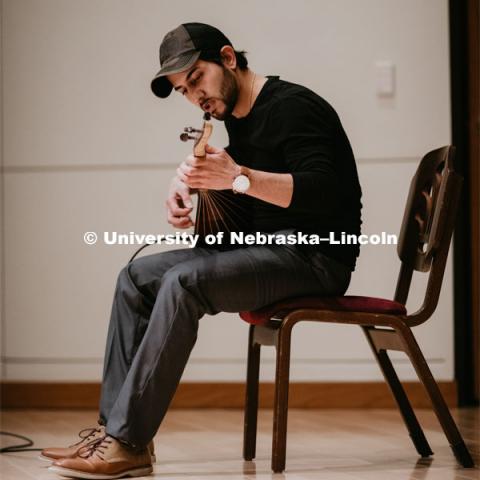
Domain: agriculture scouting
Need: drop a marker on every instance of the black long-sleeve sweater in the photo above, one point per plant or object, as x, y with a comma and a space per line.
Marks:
291, 129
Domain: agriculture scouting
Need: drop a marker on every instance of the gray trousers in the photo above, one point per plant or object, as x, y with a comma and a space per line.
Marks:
159, 300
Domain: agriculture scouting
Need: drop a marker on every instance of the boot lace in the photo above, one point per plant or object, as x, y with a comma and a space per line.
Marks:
85, 434
97, 447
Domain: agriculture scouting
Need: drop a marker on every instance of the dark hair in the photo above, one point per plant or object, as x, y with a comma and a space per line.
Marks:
215, 57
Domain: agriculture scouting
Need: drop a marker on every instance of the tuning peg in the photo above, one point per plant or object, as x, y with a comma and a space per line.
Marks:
185, 137
191, 130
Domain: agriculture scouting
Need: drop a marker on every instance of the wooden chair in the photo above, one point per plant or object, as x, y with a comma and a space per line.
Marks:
422, 246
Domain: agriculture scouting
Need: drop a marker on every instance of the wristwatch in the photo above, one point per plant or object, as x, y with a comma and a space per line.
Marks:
241, 183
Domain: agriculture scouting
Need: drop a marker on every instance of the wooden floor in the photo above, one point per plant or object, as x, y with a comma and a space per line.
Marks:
207, 444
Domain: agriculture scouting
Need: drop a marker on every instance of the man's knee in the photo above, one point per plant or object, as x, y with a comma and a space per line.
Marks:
123, 279
132, 284
190, 279
183, 275
146, 273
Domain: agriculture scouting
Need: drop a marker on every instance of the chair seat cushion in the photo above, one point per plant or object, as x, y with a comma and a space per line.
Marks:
344, 304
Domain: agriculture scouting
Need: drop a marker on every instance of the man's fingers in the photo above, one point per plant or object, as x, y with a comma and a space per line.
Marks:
177, 214
179, 222
176, 203
186, 199
183, 222
193, 161
185, 168
181, 175
194, 180
210, 149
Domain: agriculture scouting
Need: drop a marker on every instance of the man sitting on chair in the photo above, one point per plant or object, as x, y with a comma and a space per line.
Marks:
300, 177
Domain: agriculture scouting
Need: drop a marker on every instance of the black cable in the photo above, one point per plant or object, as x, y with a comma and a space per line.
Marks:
22, 447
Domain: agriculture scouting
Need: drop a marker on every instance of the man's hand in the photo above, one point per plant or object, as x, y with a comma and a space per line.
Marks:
179, 204
215, 171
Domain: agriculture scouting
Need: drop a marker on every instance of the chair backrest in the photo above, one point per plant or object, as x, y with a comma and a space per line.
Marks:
427, 227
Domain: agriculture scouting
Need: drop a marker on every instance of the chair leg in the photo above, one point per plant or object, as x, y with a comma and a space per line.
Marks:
251, 397
452, 433
406, 410
280, 409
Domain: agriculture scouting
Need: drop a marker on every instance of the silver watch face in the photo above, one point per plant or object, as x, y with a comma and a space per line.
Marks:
241, 184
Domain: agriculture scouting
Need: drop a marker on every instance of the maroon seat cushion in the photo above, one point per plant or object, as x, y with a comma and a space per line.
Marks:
344, 304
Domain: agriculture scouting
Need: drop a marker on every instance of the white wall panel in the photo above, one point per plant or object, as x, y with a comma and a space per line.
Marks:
87, 147
77, 74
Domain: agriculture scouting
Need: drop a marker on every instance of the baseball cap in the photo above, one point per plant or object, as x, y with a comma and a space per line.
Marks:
181, 48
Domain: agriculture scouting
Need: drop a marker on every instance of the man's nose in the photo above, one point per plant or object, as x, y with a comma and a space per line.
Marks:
199, 96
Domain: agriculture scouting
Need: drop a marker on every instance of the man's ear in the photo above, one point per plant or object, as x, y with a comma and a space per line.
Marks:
227, 54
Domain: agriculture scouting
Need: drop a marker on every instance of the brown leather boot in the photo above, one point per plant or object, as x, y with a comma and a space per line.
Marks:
87, 436
106, 458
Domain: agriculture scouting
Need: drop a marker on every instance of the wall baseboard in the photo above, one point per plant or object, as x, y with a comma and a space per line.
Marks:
227, 395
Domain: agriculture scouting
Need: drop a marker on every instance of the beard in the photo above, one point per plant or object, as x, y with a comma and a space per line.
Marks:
228, 94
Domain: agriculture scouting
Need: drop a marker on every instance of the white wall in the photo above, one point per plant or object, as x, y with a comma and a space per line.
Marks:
88, 147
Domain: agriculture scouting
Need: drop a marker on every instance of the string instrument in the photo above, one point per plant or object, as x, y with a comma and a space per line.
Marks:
217, 210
